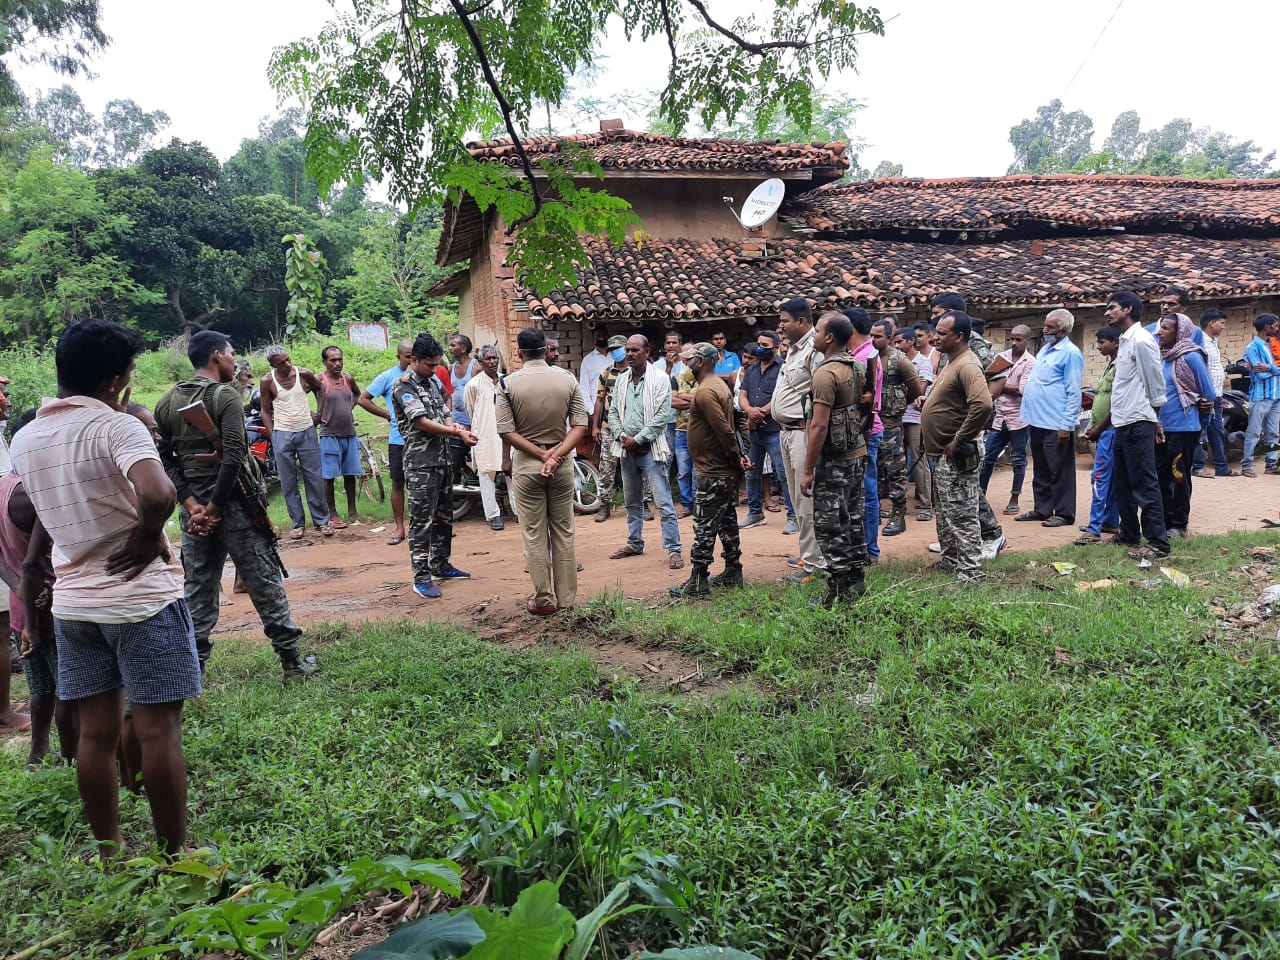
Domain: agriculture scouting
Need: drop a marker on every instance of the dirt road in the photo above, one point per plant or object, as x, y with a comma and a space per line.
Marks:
356, 576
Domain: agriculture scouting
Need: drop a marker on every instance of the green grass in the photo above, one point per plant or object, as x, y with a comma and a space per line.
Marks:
1006, 770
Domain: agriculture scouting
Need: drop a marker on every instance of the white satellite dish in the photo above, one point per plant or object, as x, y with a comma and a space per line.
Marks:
762, 203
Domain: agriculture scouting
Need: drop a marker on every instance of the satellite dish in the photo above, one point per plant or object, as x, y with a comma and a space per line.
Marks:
762, 203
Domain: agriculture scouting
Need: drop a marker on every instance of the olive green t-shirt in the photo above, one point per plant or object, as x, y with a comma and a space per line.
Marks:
836, 384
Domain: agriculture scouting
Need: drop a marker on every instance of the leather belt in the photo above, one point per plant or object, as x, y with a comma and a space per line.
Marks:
797, 425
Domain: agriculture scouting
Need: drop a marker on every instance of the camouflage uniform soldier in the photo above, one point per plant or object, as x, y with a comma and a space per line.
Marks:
223, 504
993, 539
952, 417
901, 387
422, 415
835, 460
715, 445
601, 434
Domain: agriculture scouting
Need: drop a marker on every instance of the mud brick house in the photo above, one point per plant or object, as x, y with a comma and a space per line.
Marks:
1015, 247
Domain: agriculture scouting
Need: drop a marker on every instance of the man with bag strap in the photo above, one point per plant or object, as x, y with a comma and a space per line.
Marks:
836, 458
223, 502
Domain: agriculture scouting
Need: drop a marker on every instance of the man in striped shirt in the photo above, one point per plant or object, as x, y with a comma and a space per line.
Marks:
1264, 395
122, 627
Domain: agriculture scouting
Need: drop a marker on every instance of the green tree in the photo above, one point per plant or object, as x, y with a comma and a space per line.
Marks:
393, 89
126, 133
1054, 141
71, 128
61, 34
1127, 143
57, 260
304, 279
391, 271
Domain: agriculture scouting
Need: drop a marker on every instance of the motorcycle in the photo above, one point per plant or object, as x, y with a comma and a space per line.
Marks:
1235, 401
466, 488
260, 445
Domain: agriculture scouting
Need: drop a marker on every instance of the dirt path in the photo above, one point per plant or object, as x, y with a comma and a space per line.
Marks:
356, 576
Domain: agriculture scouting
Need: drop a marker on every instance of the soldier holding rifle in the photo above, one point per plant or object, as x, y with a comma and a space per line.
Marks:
205, 451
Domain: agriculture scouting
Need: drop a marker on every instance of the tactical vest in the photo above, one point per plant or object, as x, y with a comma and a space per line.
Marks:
845, 428
893, 394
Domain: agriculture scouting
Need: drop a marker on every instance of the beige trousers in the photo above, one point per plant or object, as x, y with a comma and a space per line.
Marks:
545, 508
795, 446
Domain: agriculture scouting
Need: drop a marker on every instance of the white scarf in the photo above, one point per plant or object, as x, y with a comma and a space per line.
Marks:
657, 385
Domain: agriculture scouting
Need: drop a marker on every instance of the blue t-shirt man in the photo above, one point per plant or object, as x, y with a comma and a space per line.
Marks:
383, 386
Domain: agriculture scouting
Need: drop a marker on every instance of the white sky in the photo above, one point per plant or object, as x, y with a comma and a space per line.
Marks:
942, 87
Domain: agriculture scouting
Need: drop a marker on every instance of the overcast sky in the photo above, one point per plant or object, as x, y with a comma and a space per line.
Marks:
942, 87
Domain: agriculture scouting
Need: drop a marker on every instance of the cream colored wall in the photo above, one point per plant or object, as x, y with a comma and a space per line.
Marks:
679, 208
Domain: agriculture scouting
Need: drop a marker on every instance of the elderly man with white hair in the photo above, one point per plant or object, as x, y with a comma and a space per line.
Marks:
480, 399
1051, 408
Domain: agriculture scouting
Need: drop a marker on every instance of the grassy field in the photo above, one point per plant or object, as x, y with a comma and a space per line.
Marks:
1010, 770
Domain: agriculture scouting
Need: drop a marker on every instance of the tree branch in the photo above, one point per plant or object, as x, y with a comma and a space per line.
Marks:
505, 107
759, 49
671, 34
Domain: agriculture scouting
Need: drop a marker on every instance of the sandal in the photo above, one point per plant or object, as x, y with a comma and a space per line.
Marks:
1028, 516
623, 552
295, 533
1011, 508
1055, 521
395, 539
675, 561
1087, 540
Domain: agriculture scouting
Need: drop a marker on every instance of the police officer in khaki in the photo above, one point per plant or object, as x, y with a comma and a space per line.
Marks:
533, 411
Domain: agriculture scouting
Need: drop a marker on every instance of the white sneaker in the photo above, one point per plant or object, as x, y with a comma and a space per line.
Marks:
991, 548
935, 548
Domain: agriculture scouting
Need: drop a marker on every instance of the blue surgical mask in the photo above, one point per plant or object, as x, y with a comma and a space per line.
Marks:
618, 354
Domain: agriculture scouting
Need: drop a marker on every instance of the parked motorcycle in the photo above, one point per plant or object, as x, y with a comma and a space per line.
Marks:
259, 444
1235, 401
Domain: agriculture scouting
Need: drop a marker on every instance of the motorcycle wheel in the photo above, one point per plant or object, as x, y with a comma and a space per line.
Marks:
466, 491
586, 487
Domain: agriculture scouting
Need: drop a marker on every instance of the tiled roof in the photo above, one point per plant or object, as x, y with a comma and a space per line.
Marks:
999, 204
628, 150
702, 280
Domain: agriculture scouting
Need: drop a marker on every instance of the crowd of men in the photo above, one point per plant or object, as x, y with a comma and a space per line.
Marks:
822, 420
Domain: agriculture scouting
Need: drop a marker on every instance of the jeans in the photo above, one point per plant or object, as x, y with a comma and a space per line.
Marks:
1136, 485
1264, 417
871, 489
997, 440
635, 468
300, 453
766, 443
1103, 511
685, 477
1215, 432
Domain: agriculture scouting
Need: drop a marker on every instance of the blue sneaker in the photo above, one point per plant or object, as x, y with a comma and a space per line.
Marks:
427, 591
452, 573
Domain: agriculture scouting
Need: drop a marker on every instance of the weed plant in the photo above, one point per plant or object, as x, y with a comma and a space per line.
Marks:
1004, 770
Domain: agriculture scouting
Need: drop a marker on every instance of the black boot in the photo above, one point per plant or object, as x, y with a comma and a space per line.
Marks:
732, 577
696, 587
300, 669
897, 522
606, 508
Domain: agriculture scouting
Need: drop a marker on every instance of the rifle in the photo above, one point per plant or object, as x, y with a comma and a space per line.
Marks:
196, 415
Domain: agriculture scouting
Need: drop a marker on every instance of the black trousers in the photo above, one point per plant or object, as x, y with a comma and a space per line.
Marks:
1137, 486
1173, 466
1053, 482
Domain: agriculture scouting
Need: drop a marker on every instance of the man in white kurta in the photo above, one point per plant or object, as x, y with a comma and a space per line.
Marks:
480, 397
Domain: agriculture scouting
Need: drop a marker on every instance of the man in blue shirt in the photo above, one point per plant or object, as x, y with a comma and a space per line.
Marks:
1264, 395
729, 364
383, 385
755, 399
1175, 300
1051, 409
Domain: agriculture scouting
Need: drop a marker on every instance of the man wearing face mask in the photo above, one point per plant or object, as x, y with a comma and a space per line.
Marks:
755, 399
1051, 409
